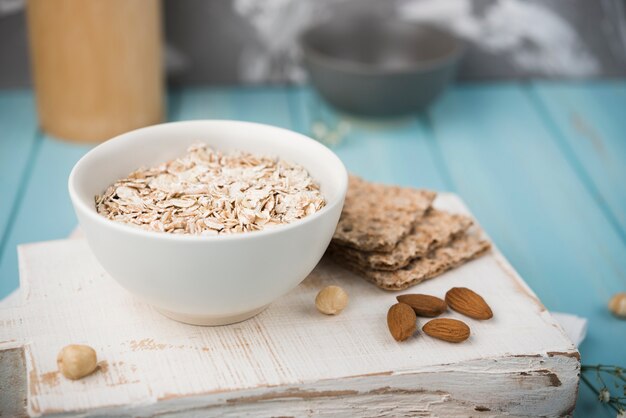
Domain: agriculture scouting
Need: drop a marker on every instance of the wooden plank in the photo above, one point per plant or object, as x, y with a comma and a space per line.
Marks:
574, 287
588, 124
588, 120
401, 149
259, 104
18, 143
45, 211
505, 162
12, 382
393, 151
290, 359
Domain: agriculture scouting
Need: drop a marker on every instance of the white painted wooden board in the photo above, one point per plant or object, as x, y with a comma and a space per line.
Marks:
289, 360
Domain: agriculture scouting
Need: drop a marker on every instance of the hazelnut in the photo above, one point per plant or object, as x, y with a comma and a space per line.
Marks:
617, 305
331, 300
77, 361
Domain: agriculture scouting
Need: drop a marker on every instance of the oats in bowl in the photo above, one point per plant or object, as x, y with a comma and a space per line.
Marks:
206, 192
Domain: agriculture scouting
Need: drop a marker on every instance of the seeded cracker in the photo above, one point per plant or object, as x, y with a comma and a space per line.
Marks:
459, 251
436, 229
376, 217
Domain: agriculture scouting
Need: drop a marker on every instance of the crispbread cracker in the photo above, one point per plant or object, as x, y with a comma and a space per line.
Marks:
376, 217
436, 229
459, 251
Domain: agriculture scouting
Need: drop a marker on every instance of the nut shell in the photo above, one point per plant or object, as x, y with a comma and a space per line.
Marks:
402, 321
469, 303
424, 305
617, 305
77, 361
331, 300
447, 329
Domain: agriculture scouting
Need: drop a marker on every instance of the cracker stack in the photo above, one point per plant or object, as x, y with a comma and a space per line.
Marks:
392, 236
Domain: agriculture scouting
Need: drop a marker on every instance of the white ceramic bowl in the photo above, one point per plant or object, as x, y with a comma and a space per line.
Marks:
207, 280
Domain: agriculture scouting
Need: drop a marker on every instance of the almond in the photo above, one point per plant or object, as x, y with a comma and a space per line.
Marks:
424, 305
401, 320
447, 329
468, 302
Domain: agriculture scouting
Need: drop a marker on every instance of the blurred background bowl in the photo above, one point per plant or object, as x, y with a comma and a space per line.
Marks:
379, 67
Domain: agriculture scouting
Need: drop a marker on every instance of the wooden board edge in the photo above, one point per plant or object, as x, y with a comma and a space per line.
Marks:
13, 382
522, 385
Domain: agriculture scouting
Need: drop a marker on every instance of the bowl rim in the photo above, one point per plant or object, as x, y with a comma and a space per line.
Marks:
82, 206
359, 68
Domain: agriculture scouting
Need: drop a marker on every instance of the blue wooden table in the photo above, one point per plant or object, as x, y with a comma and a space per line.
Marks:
542, 166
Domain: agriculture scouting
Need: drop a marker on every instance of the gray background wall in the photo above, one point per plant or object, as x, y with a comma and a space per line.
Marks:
254, 41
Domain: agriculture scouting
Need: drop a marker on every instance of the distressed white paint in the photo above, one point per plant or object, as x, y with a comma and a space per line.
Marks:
289, 360
574, 326
11, 299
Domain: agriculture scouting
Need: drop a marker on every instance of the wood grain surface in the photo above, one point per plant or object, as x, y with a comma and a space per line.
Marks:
290, 358
550, 200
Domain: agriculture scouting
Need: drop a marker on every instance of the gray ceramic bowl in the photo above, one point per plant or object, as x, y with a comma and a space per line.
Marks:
379, 67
